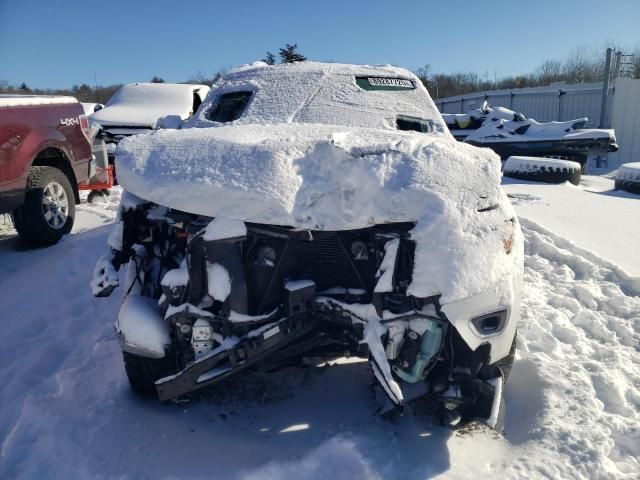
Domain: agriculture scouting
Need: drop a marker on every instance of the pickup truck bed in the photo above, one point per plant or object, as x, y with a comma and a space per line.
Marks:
47, 135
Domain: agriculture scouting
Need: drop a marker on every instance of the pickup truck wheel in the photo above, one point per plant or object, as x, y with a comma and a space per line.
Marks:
49, 207
143, 372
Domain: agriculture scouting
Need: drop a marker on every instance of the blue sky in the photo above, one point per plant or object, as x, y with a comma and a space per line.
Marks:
50, 43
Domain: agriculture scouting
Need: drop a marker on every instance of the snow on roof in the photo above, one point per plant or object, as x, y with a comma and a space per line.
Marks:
27, 100
327, 93
142, 104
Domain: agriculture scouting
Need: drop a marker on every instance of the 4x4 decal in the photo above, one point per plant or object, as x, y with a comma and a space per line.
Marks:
69, 122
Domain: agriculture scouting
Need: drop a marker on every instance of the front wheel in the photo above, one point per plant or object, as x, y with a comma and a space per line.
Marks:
143, 372
49, 208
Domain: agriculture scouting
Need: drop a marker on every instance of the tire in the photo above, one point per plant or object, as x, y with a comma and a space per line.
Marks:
49, 208
143, 372
628, 186
506, 363
628, 178
547, 170
100, 195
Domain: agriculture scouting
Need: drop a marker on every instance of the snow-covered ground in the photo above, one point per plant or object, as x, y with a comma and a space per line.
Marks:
573, 398
593, 216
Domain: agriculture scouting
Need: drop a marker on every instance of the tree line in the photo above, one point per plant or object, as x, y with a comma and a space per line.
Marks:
582, 65
96, 94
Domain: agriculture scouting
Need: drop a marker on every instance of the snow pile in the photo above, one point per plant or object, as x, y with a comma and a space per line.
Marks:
323, 177
579, 333
536, 164
142, 104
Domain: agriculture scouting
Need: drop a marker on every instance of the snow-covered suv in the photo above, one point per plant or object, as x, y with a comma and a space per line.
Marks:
317, 210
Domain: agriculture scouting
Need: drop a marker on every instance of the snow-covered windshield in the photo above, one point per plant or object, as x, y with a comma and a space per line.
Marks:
330, 94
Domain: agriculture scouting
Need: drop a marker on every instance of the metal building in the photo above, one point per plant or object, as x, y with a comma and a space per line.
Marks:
567, 102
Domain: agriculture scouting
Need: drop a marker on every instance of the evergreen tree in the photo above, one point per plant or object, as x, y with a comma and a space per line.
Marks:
269, 59
23, 87
84, 92
290, 54
157, 79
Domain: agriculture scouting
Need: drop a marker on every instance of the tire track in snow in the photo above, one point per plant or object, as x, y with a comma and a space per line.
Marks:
581, 333
572, 401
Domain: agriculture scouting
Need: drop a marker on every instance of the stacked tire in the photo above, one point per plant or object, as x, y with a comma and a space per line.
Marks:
538, 169
628, 178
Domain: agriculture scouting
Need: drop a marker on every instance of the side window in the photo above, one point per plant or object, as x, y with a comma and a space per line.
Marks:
415, 124
229, 106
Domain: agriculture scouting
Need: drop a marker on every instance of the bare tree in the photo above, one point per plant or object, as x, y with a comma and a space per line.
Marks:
202, 78
548, 72
584, 65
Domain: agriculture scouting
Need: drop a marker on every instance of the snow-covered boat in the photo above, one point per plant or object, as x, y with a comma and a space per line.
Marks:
509, 133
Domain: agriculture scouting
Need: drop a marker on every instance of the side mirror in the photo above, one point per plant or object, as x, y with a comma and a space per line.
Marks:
98, 106
170, 121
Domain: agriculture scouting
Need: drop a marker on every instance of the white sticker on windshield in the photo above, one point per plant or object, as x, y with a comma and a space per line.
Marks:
390, 82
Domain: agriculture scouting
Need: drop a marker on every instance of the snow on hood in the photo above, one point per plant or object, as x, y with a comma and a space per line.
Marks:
323, 177
142, 104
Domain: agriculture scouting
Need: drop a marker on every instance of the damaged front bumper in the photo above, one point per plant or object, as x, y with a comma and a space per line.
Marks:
411, 355
217, 297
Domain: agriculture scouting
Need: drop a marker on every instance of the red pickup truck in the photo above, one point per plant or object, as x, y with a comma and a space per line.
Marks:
44, 154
